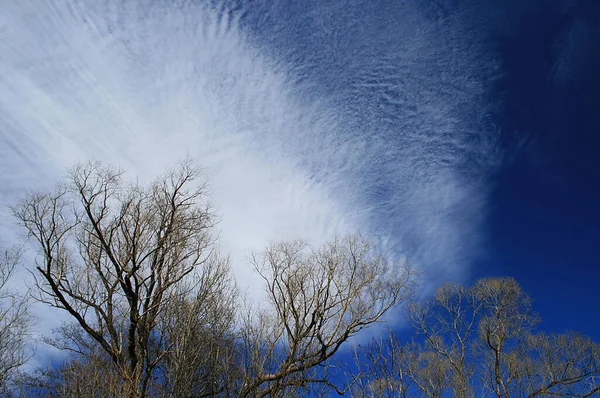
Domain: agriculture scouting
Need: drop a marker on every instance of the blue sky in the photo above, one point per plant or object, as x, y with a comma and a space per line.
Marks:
544, 221
460, 135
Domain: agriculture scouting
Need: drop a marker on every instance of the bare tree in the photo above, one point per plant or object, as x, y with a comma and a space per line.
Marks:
506, 318
318, 300
200, 328
448, 323
136, 268
431, 373
94, 375
14, 320
382, 368
113, 255
565, 365
479, 341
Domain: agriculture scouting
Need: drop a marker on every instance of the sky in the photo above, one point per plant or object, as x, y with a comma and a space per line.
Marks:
544, 224
459, 135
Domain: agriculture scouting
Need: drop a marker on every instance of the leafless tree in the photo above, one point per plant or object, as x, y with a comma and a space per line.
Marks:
565, 365
506, 318
390, 369
318, 300
480, 341
14, 319
448, 323
94, 375
114, 255
137, 269
202, 356
382, 368
156, 312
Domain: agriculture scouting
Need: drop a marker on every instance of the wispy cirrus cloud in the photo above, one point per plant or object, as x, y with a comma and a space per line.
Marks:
311, 121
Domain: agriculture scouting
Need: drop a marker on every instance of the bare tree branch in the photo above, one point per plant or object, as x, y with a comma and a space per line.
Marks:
15, 320
112, 255
318, 299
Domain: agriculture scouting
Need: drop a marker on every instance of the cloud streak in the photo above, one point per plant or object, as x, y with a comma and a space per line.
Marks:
309, 121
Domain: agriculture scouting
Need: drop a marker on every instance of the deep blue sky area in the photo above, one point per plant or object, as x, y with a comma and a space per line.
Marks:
545, 218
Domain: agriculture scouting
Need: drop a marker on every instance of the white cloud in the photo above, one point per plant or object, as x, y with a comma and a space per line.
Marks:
398, 149
146, 95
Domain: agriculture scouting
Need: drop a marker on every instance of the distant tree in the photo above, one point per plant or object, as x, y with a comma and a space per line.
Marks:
479, 341
15, 320
92, 375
